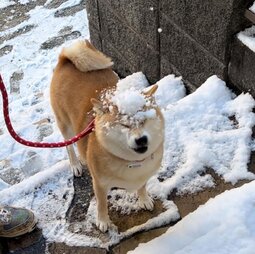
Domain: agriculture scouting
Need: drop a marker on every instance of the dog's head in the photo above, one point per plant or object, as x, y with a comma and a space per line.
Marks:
131, 129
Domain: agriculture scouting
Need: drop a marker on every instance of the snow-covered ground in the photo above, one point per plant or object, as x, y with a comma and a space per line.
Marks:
248, 35
225, 224
210, 128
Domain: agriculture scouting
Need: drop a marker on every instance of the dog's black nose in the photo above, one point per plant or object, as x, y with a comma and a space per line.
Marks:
142, 141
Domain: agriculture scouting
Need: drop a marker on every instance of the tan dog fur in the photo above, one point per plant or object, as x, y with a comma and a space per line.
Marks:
81, 74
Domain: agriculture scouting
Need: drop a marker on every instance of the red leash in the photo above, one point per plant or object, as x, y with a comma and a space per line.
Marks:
22, 141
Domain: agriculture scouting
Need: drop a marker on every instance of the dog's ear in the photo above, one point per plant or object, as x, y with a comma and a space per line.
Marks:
97, 106
150, 92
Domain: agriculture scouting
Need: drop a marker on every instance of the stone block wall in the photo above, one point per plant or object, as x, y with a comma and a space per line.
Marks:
191, 38
242, 67
127, 31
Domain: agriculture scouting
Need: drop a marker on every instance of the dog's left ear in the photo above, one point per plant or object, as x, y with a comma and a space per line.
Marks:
150, 92
97, 106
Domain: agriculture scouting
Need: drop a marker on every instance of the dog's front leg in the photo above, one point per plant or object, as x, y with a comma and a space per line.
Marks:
75, 164
103, 220
145, 201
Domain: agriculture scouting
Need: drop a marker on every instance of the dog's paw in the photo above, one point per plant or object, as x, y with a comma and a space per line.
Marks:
146, 203
77, 169
104, 225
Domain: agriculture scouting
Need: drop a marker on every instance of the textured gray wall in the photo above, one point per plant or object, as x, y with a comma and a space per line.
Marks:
242, 68
196, 39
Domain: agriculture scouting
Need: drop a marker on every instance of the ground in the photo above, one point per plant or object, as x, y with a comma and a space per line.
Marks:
27, 76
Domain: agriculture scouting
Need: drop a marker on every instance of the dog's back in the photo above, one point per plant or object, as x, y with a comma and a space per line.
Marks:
82, 73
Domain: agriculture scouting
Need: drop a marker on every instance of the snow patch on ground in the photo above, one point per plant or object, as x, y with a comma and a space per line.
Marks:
24, 1
6, 3
31, 104
252, 8
210, 128
170, 90
247, 37
228, 227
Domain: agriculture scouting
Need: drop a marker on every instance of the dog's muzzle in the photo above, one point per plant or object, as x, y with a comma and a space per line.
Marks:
141, 144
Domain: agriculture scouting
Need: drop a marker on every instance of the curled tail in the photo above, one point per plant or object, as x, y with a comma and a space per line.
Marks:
86, 57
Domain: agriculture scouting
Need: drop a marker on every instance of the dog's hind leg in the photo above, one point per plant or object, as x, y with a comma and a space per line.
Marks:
75, 164
145, 201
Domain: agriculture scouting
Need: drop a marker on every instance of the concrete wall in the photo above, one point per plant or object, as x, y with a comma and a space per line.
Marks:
195, 39
242, 68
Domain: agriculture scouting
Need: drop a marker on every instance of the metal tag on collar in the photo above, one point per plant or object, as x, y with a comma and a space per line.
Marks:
134, 165
138, 164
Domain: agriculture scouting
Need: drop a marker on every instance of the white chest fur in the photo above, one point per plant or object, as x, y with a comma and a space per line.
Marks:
132, 175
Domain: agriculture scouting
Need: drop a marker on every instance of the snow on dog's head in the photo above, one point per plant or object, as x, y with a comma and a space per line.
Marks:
128, 122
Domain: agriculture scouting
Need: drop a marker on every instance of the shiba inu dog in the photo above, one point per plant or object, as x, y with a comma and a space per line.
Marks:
126, 148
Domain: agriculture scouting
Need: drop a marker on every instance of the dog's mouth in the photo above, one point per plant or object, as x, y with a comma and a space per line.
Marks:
141, 149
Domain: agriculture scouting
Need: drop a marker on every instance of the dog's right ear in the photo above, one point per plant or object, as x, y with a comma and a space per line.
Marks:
97, 106
151, 91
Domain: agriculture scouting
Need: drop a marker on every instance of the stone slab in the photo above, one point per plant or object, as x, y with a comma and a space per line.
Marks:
251, 164
187, 56
140, 15
167, 68
128, 43
133, 242
93, 14
95, 37
188, 203
127, 221
242, 67
121, 65
83, 192
30, 243
211, 23
61, 248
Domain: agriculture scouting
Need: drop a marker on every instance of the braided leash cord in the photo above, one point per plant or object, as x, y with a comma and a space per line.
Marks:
22, 141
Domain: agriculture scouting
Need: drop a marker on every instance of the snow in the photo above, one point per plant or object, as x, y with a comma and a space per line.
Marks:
228, 227
129, 102
247, 37
130, 99
252, 8
200, 134
210, 128
6, 3
37, 65
136, 81
24, 1
170, 89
